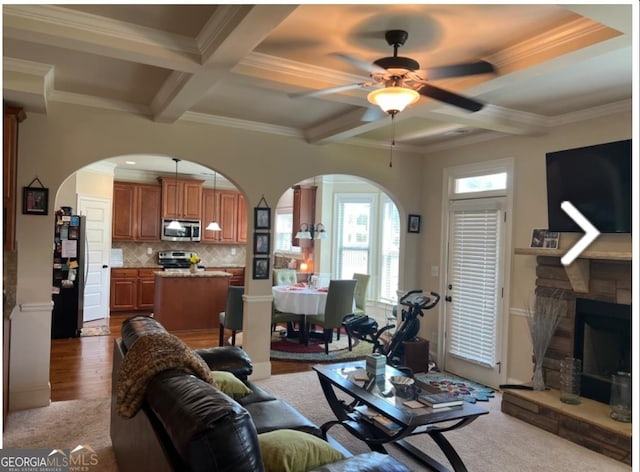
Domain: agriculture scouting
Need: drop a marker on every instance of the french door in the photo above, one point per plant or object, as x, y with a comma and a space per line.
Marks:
475, 276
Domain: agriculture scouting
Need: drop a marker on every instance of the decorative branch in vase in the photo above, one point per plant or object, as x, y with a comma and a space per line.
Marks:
543, 319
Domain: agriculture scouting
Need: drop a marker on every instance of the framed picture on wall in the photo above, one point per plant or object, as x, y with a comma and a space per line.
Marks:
261, 243
35, 201
414, 224
262, 218
260, 268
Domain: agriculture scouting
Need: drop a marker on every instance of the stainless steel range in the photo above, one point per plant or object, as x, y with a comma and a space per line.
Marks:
174, 259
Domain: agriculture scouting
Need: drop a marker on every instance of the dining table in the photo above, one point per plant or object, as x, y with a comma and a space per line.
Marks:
300, 299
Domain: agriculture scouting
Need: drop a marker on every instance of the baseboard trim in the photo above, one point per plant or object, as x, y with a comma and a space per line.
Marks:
30, 398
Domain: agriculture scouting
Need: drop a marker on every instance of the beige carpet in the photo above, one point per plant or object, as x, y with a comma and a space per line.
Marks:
64, 425
494, 442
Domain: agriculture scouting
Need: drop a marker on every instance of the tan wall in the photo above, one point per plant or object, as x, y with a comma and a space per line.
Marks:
530, 211
69, 137
258, 164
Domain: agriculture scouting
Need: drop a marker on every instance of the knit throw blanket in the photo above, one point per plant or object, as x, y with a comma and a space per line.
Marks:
149, 355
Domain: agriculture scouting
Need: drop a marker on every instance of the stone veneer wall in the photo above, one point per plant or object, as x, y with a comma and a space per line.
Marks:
609, 281
212, 255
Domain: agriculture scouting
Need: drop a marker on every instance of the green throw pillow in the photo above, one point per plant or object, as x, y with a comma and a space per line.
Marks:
230, 384
288, 450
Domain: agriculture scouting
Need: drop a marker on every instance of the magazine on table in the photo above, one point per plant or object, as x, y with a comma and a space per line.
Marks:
439, 400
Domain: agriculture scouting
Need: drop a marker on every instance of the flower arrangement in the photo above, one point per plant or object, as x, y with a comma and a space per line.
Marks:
194, 259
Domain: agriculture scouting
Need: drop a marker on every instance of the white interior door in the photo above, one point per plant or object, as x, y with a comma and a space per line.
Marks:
97, 256
475, 274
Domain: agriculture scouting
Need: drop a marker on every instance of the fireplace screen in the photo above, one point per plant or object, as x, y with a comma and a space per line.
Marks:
603, 343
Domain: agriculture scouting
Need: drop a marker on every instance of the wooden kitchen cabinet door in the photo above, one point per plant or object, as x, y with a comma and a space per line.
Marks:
146, 288
124, 289
148, 221
136, 212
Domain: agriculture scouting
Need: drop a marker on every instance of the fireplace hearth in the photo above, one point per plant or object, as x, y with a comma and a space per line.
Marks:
595, 328
602, 341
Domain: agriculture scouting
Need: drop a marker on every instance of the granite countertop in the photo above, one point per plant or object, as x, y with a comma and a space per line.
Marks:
200, 273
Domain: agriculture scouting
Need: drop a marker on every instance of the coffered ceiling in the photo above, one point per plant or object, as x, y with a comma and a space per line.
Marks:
236, 65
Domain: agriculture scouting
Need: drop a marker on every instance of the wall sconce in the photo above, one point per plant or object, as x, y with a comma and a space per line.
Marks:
307, 231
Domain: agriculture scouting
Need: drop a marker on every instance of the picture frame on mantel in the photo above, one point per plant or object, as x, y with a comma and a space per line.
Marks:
545, 239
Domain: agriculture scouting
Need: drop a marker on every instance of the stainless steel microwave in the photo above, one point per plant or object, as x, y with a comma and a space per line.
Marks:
189, 230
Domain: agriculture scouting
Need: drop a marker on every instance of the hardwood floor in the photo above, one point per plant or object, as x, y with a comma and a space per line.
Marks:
81, 367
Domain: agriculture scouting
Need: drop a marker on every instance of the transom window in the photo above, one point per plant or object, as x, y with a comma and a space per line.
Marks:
480, 183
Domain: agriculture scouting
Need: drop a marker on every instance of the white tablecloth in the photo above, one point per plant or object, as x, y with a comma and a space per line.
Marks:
303, 301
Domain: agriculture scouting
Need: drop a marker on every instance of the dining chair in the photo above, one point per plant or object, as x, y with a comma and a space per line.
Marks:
231, 317
285, 277
360, 294
339, 304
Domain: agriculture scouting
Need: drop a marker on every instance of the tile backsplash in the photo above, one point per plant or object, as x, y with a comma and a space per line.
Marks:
135, 254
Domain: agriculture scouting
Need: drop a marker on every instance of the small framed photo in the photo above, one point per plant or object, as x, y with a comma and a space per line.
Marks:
260, 268
414, 224
261, 243
262, 218
545, 239
35, 201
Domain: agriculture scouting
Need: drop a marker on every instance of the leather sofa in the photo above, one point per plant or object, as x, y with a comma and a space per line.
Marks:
187, 424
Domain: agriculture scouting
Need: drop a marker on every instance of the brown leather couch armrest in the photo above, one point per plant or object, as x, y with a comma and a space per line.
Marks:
229, 358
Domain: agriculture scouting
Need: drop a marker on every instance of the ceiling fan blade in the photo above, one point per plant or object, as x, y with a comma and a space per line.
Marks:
360, 64
450, 98
459, 70
328, 91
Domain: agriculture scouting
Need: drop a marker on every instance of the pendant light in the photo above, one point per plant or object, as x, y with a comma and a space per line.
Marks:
175, 224
214, 226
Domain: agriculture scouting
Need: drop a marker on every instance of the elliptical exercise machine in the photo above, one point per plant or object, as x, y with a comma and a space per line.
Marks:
365, 328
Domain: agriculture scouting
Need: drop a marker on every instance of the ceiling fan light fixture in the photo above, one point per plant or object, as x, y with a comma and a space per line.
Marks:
393, 100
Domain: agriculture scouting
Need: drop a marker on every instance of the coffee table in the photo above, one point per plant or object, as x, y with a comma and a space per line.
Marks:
376, 401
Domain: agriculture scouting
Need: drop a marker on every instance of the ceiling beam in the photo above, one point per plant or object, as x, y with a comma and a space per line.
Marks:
232, 32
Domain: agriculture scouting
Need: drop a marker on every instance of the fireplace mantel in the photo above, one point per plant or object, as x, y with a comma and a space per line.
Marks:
578, 271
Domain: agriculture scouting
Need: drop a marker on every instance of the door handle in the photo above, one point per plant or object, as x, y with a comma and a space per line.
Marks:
105, 266
447, 299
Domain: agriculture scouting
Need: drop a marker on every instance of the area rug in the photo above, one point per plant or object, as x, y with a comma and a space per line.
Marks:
95, 331
283, 348
457, 386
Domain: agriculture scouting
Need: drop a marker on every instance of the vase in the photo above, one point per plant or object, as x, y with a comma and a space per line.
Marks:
570, 379
620, 400
193, 268
538, 377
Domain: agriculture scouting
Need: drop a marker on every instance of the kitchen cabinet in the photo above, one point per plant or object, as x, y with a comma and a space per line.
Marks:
237, 274
229, 209
146, 288
189, 198
132, 289
124, 289
13, 116
304, 211
242, 219
136, 212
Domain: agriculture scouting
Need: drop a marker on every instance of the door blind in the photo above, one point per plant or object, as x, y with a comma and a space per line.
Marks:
474, 255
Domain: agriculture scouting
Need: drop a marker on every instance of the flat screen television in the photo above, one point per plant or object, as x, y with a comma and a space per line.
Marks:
597, 181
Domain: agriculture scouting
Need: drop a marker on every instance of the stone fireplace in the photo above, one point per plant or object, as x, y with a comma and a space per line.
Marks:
599, 309
596, 327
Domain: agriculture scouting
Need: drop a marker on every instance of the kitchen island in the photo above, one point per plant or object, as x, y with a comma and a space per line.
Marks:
185, 300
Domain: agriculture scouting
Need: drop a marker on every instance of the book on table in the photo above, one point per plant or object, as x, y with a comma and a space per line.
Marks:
439, 400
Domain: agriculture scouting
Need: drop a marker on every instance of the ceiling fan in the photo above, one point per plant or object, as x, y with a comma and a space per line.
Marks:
400, 82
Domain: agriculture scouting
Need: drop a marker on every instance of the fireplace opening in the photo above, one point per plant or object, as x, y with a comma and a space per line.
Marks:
603, 343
